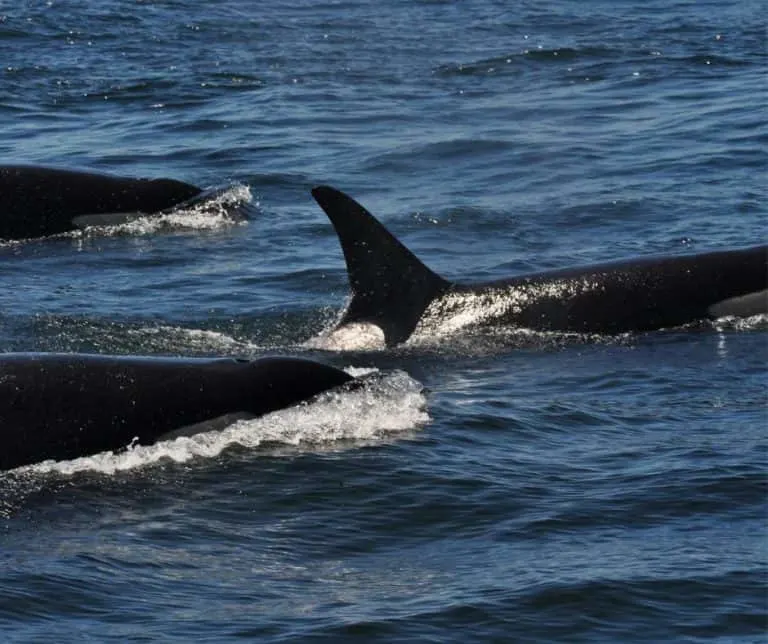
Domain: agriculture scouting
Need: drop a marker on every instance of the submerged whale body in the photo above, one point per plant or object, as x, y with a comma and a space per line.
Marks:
394, 291
64, 406
38, 201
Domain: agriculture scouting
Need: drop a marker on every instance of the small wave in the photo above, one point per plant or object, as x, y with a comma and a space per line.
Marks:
387, 405
210, 336
83, 334
221, 210
713, 60
204, 340
752, 323
499, 64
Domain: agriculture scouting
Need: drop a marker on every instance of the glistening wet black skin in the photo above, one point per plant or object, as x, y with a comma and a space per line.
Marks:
392, 288
37, 201
63, 406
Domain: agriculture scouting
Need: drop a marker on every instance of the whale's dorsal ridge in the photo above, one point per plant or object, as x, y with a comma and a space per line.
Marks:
390, 286
393, 290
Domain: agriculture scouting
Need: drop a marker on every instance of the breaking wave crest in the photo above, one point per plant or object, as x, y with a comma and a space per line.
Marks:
753, 323
388, 405
220, 210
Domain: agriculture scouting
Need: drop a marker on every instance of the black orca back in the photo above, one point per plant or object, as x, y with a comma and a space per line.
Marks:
63, 406
38, 201
392, 288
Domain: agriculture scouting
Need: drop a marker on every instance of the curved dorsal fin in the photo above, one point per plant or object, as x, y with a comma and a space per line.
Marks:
391, 287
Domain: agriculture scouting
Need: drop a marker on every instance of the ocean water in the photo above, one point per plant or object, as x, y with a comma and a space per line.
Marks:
505, 487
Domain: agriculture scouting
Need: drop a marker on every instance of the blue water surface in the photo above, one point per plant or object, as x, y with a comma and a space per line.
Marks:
544, 488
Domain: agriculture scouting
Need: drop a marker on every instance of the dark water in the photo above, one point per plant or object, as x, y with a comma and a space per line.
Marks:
545, 488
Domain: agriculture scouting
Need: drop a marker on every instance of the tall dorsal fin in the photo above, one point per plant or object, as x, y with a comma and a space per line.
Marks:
390, 286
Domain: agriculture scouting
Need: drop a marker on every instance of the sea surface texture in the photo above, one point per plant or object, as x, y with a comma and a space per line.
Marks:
496, 486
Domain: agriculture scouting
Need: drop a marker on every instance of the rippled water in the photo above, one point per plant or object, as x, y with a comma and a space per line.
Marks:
544, 487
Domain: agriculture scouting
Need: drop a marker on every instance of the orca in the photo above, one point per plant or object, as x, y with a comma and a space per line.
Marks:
64, 406
40, 201
395, 292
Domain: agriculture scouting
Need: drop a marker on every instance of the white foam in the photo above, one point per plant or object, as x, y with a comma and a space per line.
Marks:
384, 408
753, 323
209, 214
452, 314
200, 339
357, 336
